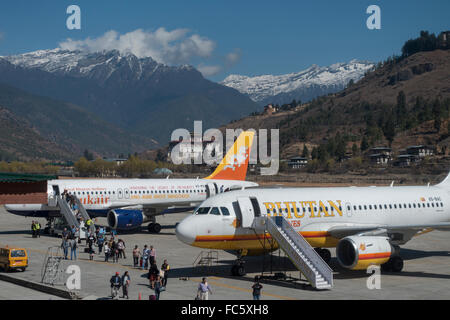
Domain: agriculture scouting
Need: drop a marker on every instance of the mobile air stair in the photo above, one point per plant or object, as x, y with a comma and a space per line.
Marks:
304, 257
70, 216
67, 213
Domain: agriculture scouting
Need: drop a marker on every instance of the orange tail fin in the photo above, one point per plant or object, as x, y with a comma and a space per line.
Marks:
234, 164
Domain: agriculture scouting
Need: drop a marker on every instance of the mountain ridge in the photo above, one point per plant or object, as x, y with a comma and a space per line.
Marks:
303, 85
126, 91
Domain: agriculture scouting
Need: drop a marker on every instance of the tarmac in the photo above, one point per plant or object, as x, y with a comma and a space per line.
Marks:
426, 274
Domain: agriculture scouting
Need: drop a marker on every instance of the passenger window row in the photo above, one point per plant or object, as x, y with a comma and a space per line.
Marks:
304, 210
397, 206
134, 192
359, 207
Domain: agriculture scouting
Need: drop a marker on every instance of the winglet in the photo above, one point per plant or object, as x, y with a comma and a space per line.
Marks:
234, 164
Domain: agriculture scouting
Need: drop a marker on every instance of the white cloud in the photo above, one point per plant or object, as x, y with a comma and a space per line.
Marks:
208, 71
233, 57
228, 61
169, 47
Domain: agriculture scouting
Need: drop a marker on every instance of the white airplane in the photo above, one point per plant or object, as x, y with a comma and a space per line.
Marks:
365, 224
127, 203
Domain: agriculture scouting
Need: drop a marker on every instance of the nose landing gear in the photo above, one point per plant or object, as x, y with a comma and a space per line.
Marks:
238, 269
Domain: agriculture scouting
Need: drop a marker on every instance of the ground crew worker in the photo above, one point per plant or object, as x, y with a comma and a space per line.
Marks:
38, 229
88, 224
33, 228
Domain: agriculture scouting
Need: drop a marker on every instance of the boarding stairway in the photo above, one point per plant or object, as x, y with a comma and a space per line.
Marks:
304, 257
70, 216
67, 213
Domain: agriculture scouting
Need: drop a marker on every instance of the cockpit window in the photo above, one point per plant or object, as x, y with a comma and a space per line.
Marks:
203, 210
215, 211
225, 211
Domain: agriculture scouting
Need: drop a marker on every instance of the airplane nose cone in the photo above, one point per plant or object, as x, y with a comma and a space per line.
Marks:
186, 231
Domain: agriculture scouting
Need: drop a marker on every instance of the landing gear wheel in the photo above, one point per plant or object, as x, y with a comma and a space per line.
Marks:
238, 270
397, 264
233, 270
156, 228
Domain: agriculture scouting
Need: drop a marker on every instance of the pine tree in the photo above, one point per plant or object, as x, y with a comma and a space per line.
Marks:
364, 144
305, 153
354, 149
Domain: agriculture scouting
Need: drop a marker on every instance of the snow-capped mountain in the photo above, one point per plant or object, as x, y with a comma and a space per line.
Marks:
138, 95
99, 66
304, 85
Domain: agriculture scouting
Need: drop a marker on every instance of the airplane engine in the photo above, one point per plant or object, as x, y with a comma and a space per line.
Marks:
359, 252
123, 219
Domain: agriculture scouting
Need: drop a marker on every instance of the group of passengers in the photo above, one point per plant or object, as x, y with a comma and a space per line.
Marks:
70, 240
70, 199
114, 250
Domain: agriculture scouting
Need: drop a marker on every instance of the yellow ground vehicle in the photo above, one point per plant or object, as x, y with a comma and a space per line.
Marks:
13, 258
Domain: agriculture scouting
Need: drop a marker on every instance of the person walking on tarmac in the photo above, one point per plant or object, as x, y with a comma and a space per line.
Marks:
116, 283
145, 257
203, 290
136, 255
256, 289
100, 241
125, 284
165, 268
73, 248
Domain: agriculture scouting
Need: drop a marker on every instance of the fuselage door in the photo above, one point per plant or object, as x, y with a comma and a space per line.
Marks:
211, 190
348, 208
52, 194
247, 212
119, 193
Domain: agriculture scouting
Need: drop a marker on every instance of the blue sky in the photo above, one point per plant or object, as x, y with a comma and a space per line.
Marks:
240, 37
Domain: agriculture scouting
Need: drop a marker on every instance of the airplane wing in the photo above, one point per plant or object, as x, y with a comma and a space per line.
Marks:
168, 208
342, 231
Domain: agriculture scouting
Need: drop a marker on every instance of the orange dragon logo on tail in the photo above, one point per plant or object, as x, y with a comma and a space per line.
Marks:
234, 164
